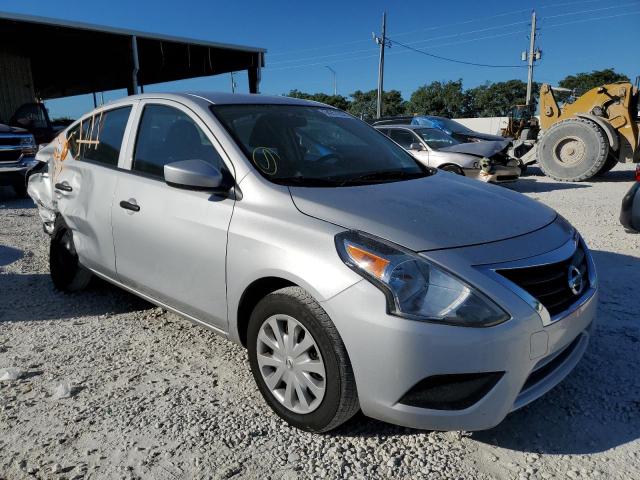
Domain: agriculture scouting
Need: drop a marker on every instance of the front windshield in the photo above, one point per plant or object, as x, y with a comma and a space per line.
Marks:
435, 138
452, 125
315, 146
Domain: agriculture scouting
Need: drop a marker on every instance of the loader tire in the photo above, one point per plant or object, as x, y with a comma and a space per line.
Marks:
573, 150
611, 162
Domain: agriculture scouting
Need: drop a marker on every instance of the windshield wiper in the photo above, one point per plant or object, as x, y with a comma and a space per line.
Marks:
382, 176
302, 181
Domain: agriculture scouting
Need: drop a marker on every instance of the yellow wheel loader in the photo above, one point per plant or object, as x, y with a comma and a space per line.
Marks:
590, 135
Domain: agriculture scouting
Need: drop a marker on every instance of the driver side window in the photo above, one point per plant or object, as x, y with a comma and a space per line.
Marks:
167, 135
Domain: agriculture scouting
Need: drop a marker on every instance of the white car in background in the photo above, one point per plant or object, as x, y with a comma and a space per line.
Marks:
486, 161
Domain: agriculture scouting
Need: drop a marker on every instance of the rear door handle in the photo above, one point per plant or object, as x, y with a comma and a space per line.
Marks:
130, 206
64, 186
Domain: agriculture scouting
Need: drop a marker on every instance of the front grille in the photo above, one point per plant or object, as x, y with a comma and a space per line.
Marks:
10, 141
10, 155
549, 284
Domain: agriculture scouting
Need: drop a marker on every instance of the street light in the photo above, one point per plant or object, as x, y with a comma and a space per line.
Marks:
335, 84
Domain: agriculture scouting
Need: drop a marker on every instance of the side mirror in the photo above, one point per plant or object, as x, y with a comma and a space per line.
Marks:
193, 175
416, 146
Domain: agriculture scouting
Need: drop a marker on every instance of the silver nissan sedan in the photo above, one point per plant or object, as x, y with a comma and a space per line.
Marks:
356, 277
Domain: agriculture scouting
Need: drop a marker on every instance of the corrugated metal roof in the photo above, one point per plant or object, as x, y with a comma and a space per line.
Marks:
19, 17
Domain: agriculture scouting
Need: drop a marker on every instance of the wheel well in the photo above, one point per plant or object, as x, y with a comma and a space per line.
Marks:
250, 298
452, 166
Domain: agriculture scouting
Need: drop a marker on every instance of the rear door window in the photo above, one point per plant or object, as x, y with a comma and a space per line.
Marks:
99, 137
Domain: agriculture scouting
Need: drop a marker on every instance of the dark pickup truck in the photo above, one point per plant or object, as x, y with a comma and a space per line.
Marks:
17, 150
34, 118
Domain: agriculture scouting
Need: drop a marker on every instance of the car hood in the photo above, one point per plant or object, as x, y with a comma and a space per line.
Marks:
8, 129
443, 210
481, 149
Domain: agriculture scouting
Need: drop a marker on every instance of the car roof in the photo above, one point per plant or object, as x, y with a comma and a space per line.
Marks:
404, 125
223, 98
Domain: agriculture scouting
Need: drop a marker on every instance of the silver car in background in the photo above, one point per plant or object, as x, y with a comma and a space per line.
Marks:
483, 160
355, 276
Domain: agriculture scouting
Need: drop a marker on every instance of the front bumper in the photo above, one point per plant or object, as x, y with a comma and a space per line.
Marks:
16, 171
391, 355
498, 174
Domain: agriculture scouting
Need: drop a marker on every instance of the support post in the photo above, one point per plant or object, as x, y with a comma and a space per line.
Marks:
136, 65
254, 73
95, 101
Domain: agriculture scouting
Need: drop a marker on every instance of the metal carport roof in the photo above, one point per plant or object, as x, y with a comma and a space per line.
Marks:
72, 58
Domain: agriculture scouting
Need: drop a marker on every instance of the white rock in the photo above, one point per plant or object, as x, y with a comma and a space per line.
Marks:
64, 390
11, 373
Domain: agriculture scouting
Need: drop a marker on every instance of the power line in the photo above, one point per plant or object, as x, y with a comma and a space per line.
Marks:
441, 37
475, 39
592, 19
361, 57
592, 10
453, 59
437, 27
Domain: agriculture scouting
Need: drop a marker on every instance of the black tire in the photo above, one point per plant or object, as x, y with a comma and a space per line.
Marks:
340, 401
573, 150
66, 272
20, 189
612, 161
452, 168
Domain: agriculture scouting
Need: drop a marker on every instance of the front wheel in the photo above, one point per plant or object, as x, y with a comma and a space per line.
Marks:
452, 168
66, 272
299, 361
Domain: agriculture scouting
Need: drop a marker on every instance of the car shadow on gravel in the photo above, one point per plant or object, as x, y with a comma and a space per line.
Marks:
9, 201
530, 185
32, 297
596, 408
615, 176
8, 255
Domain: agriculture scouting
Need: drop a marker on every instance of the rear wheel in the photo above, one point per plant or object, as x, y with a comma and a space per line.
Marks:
66, 272
573, 150
299, 361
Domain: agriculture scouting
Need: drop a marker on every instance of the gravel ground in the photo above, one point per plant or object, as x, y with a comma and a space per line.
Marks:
112, 387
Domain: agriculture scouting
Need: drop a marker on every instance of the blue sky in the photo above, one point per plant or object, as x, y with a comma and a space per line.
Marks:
303, 37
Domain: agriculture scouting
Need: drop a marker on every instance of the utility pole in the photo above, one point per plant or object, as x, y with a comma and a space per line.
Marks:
381, 41
532, 56
335, 83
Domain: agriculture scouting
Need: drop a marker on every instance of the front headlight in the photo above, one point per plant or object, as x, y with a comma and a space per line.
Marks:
28, 144
416, 288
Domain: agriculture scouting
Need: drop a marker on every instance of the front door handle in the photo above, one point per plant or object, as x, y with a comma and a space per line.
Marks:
64, 186
127, 205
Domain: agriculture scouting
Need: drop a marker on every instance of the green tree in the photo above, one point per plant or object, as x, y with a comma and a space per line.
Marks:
583, 82
363, 104
496, 99
446, 99
337, 101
